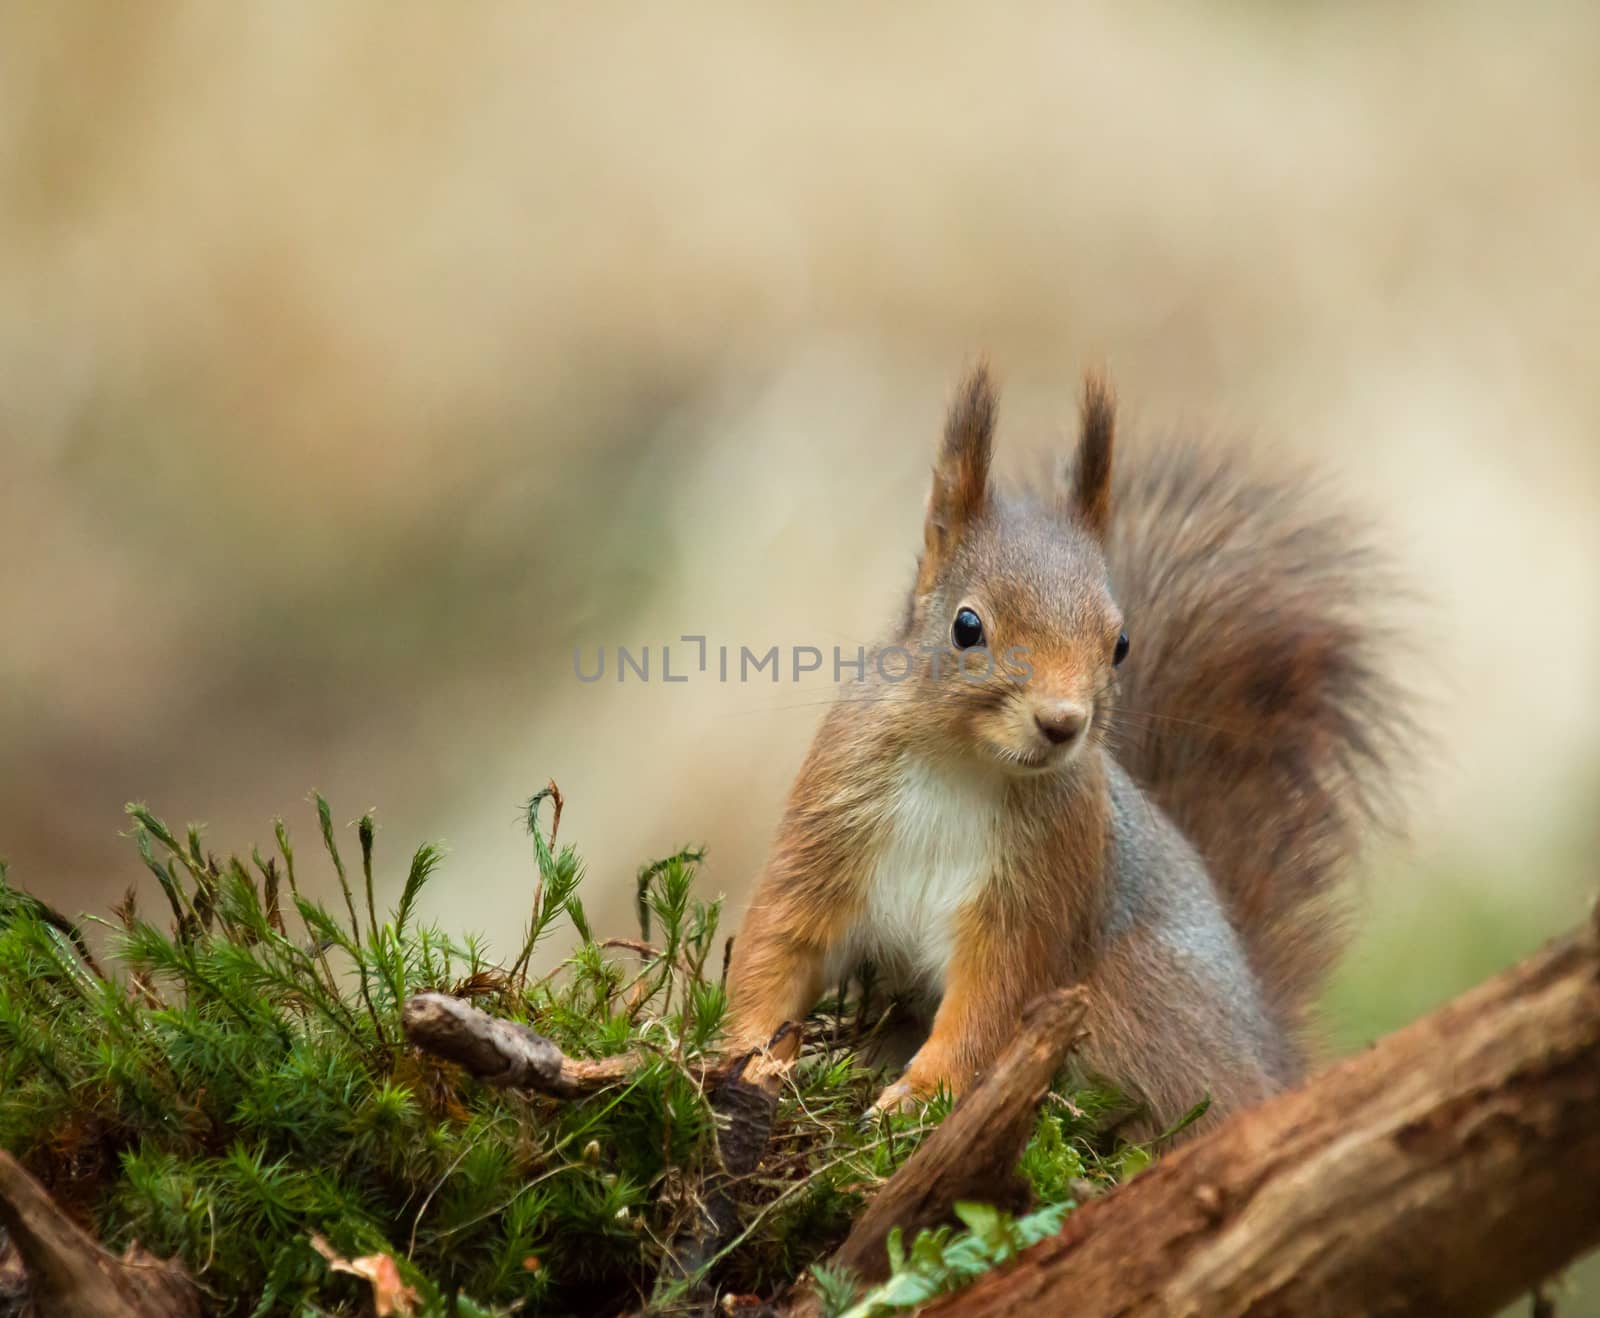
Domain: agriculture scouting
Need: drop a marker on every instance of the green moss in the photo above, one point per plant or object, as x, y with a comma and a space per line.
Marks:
240, 1081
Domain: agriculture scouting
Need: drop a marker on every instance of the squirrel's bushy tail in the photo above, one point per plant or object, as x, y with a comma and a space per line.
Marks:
1256, 705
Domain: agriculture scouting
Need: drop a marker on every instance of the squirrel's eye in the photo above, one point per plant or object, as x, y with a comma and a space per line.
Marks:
1121, 652
967, 630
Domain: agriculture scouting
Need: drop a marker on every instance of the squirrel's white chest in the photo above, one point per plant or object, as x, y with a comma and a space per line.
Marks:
936, 852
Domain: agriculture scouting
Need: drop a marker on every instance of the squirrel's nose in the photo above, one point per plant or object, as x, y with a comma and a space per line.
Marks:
1060, 721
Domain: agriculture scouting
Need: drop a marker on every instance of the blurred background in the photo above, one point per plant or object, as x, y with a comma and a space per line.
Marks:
358, 362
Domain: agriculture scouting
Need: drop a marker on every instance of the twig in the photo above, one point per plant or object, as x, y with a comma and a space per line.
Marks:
508, 1053
644, 950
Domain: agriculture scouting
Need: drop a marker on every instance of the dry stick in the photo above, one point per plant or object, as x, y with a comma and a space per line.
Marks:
1446, 1170
70, 1276
507, 1053
644, 950
973, 1153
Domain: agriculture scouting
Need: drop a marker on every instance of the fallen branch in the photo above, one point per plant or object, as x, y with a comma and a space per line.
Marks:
1447, 1170
507, 1053
973, 1153
70, 1276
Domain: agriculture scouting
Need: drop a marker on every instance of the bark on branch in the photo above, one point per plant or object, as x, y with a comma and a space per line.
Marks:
502, 1052
1447, 1170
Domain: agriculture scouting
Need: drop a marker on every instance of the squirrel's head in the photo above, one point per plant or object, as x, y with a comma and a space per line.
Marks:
1012, 623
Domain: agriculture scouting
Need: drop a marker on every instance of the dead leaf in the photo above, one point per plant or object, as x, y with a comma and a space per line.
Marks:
390, 1295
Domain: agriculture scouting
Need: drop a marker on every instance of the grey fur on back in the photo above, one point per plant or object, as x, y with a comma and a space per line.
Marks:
1256, 706
1161, 891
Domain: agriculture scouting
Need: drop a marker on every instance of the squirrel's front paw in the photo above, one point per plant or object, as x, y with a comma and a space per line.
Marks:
901, 1096
746, 1038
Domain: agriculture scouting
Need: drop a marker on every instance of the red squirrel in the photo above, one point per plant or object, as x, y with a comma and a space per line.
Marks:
1139, 729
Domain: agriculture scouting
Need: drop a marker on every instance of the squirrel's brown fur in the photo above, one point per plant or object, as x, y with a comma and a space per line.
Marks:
1164, 832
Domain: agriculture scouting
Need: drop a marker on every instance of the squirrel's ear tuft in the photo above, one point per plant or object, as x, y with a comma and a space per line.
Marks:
961, 475
1091, 483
